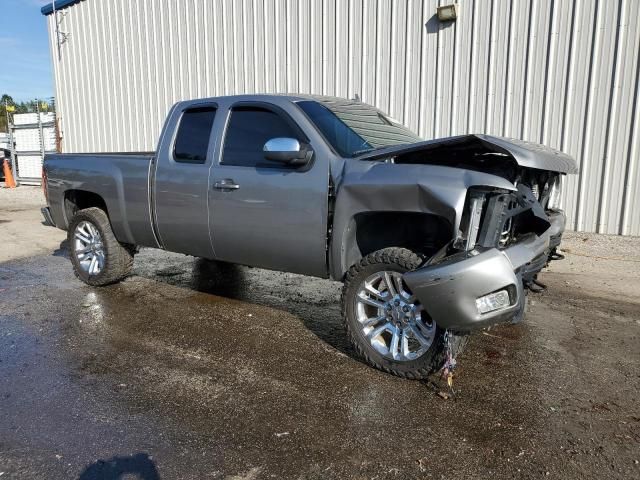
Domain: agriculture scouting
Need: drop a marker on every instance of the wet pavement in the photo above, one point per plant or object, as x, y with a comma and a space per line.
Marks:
194, 369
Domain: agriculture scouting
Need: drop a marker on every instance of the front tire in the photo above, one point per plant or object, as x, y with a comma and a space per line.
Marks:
385, 322
98, 258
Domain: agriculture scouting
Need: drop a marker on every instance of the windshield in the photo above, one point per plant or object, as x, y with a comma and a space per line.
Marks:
353, 128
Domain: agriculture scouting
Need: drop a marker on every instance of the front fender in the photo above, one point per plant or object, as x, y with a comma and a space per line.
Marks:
368, 186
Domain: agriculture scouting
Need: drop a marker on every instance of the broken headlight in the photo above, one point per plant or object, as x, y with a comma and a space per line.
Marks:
555, 193
470, 223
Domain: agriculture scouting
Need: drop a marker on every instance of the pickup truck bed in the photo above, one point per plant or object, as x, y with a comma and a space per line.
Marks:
121, 180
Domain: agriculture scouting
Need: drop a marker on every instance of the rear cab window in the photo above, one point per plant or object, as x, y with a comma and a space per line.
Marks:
192, 138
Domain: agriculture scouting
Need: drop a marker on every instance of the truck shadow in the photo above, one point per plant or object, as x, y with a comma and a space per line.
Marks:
62, 250
139, 466
315, 301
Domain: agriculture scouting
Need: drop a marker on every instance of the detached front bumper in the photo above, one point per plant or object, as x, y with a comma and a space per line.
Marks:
448, 290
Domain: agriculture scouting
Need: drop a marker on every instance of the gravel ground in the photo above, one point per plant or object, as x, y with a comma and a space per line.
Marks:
21, 231
193, 369
21, 197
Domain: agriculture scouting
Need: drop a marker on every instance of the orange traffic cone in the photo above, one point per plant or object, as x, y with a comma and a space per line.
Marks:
9, 182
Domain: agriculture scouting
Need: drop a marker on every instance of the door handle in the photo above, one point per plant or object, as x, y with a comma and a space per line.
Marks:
226, 184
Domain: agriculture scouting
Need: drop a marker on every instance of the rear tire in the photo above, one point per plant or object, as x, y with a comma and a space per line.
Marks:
394, 312
96, 255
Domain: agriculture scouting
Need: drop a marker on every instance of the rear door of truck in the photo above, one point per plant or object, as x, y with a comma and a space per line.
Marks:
180, 196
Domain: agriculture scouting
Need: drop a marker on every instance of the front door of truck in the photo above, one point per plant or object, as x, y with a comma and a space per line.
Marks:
267, 214
181, 180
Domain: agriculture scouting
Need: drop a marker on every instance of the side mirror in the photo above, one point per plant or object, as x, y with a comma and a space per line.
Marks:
287, 150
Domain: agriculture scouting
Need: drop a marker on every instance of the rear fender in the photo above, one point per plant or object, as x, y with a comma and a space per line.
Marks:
102, 179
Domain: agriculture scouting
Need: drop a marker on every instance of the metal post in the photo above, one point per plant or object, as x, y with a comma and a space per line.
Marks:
12, 157
56, 126
40, 131
6, 106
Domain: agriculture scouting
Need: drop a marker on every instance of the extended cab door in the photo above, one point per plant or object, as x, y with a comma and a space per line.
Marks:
263, 213
181, 188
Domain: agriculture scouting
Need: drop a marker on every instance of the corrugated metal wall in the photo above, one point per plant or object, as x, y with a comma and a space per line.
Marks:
563, 73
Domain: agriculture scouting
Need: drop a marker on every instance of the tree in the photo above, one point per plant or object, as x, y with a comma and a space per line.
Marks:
21, 107
4, 101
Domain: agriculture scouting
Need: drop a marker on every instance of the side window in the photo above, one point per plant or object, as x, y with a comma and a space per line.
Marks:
192, 139
249, 129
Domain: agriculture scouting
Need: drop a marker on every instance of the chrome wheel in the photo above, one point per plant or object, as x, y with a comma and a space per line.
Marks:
88, 248
392, 319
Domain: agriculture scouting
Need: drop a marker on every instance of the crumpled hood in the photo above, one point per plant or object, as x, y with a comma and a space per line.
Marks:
526, 154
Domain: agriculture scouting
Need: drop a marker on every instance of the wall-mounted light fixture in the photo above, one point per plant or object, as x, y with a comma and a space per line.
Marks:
448, 13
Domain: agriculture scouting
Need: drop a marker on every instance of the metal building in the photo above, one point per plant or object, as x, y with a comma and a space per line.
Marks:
564, 73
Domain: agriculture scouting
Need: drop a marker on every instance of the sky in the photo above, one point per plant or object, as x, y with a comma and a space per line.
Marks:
25, 63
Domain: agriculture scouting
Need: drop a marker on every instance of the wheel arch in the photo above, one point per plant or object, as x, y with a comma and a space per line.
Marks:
368, 231
77, 199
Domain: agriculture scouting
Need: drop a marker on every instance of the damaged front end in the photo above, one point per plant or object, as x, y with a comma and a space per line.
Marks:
505, 238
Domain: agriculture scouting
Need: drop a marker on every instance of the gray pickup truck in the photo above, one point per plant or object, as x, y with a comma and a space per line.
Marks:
431, 238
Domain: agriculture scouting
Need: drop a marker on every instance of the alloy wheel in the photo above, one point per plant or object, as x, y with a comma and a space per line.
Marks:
88, 248
391, 317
